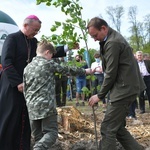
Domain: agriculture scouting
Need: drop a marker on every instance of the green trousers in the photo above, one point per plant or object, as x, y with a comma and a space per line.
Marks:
113, 126
45, 132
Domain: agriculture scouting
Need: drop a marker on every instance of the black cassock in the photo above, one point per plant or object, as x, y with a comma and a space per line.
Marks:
15, 131
14, 120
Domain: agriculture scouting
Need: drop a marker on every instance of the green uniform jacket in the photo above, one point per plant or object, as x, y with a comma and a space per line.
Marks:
122, 76
39, 85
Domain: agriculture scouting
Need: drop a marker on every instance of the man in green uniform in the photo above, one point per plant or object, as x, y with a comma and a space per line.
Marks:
122, 79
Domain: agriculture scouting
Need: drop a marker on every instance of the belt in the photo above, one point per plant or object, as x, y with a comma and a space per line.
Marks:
146, 76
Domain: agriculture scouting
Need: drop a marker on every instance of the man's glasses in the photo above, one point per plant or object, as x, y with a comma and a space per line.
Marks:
94, 36
35, 30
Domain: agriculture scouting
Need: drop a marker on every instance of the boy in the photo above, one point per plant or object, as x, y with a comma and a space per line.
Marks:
39, 92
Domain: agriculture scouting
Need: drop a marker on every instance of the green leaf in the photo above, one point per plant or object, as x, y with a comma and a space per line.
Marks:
54, 37
53, 29
88, 77
58, 23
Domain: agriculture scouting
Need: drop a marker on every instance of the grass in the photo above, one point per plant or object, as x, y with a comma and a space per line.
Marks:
84, 109
88, 110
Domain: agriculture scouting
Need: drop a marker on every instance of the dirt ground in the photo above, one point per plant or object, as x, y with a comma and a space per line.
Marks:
80, 134
77, 130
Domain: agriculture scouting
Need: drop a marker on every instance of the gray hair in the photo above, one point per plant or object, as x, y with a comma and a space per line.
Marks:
30, 20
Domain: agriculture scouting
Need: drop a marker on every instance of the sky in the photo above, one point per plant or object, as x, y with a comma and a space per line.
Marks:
18, 10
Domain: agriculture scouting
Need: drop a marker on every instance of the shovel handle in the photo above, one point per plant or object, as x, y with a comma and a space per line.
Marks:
96, 139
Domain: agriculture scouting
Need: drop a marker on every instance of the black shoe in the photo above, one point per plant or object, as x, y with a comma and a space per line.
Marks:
82, 104
77, 104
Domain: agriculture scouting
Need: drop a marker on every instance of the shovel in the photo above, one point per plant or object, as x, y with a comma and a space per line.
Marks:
96, 139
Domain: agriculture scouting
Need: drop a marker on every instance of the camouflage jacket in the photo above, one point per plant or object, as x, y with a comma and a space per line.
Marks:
39, 85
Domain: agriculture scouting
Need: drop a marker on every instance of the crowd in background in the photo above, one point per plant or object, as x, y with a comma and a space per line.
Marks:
143, 61
69, 88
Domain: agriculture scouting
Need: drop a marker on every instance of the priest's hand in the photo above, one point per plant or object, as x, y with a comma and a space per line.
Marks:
20, 87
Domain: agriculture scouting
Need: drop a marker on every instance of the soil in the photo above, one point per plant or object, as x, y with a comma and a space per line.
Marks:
77, 130
83, 138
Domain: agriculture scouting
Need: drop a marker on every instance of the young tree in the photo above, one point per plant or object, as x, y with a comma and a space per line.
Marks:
71, 26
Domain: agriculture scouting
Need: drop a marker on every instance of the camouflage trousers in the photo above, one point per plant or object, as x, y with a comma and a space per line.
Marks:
44, 132
113, 126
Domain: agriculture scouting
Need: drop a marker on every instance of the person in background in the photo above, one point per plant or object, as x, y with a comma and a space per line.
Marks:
57, 85
120, 68
70, 88
80, 81
63, 83
132, 113
134, 104
99, 75
144, 66
146, 56
18, 50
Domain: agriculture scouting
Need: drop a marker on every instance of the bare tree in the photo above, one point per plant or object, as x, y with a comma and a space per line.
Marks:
132, 14
115, 14
147, 27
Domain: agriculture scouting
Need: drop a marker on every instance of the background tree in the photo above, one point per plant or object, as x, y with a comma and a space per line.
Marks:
115, 14
146, 27
135, 37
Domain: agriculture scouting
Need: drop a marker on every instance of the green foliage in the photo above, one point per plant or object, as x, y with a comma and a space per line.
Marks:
91, 77
91, 54
98, 87
72, 9
86, 91
48, 2
146, 48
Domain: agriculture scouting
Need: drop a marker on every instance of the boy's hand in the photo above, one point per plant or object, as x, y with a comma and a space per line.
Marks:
88, 71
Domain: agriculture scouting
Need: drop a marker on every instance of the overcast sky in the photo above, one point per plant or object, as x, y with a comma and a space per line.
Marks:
20, 9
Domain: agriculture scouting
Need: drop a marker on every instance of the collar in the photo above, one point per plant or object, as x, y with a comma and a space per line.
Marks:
140, 61
105, 38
